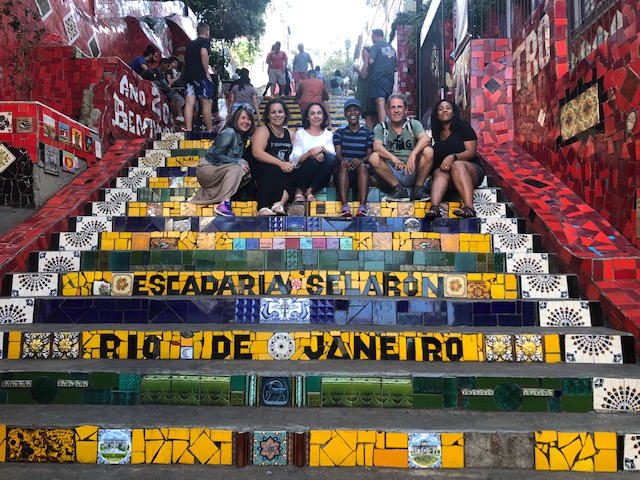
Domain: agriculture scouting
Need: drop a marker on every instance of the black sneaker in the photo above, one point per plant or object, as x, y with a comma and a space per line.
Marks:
420, 194
399, 194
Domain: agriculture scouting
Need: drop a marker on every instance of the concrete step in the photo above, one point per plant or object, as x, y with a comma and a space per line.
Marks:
330, 437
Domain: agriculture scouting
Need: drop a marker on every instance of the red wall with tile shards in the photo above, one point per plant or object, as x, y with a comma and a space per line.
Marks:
598, 159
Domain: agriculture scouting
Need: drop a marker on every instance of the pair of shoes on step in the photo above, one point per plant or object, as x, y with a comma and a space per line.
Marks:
401, 194
346, 211
276, 210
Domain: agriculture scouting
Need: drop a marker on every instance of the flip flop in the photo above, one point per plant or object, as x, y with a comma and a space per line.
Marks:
298, 197
311, 197
278, 209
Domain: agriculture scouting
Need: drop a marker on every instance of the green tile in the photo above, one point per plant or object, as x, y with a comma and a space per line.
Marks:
104, 380
119, 262
4, 395
555, 383
349, 265
88, 261
576, 386
310, 259
427, 384
237, 382
554, 405
140, 258
466, 382
97, 396
155, 389
126, 398
426, 401
488, 382
185, 390
275, 260
507, 397
485, 404
535, 404
366, 392
397, 393
328, 260
576, 403
314, 384
215, 390
255, 260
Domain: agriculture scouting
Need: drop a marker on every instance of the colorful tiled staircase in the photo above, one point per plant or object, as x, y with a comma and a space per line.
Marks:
336, 110
388, 341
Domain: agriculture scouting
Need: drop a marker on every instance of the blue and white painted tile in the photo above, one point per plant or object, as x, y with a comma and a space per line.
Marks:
114, 446
78, 241
110, 209
513, 242
564, 313
94, 224
285, 310
59, 261
499, 226
34, 285
120, 195
485, 195
425, 450
605, 349
544, 286
527, 262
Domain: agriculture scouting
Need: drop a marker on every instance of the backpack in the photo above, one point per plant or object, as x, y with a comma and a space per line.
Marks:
333, 82
385, 130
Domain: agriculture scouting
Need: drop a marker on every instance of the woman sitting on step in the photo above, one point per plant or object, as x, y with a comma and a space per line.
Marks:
455, 163
223, 171
271, 147
314, 155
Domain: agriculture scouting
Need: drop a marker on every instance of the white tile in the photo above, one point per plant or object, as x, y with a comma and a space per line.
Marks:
485, 195
166, 144
425, 450
34, 285
59, 261
16, 310
132, 182
172, 136
178, 225
122, 284
157, 161
564, 313
513, 242
114, 446
281, 346
1, 345
110, 209
455, 286
144, 172
120, 195
81, 241
285, 310
544, 286
527, 262
490, 210
499, 226
616, 394
94, 224
157, 152
593, 349
632, 451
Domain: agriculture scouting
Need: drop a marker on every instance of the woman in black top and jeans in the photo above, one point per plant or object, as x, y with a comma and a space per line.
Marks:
455, 161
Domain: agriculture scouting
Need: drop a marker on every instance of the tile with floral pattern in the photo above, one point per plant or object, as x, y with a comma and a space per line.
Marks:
269, 448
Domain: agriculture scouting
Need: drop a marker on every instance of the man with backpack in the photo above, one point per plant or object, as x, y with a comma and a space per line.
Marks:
402, 156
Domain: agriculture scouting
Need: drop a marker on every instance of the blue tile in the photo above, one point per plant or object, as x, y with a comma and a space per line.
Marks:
239, 244
485, 321
503, 307
402, 306
434, 319
247, 311
529, 310
384, 312
509, 321
306, 243
360, 312
481, 308
253, 244
295, 224
275, 391
313, 224
459, 313
410, 319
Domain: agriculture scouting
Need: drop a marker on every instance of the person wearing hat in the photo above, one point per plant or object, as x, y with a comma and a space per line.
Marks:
354, 144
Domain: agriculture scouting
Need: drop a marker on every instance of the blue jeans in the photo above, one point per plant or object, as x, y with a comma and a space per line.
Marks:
314, 174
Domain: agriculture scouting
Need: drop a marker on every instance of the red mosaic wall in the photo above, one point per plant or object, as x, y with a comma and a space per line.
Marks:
580, 122
97, 28
406, 66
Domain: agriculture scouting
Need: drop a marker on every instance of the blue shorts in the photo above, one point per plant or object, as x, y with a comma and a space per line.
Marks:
199, 88
381, 87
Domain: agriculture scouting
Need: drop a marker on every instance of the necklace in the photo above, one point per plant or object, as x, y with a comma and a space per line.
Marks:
280, 134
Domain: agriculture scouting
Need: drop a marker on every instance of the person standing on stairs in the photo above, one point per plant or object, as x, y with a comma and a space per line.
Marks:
336, 82
369, 112
270, 166
382, 69
354, 145
312, 90
223, 170
243, 94
455, 162
277, 61
301, 62
197, 79
313, 155
401, 155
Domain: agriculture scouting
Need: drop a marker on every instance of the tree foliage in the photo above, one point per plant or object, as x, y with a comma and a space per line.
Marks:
245, 51
230, 19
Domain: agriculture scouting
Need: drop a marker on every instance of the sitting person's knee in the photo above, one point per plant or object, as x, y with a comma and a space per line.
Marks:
375, 159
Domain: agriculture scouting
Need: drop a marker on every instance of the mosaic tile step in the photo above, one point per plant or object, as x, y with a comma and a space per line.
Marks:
599, 346
524, 393
302, 311
417, 284
177, 206
506, 228
517, 247
279, 257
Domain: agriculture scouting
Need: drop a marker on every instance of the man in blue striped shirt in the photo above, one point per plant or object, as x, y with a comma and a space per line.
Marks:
354, 144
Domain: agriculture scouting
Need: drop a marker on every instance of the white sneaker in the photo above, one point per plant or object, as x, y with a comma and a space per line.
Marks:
266, 212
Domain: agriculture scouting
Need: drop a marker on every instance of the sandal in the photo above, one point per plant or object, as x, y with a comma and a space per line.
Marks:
434, 212
298, 197
278, 209
311, 197
266, 212
464, 212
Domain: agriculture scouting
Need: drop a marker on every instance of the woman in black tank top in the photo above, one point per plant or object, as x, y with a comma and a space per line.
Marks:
271, 147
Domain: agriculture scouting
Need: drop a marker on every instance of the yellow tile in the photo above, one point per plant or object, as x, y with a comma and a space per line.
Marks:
226, 454
153, 434
86, 451
314, 455
453, 457
15, 341
137, 440
87, 432
380, 440
203, 448
3, 443
137, 458
586, 465
397, 440
221, 435
390, 458
368, 454
179, 433
557, 461
180, 453
606, 460
350, 437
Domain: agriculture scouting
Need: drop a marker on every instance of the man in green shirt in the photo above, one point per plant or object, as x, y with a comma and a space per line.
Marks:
402, 156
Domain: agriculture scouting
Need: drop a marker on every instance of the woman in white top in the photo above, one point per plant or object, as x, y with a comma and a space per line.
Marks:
313, 155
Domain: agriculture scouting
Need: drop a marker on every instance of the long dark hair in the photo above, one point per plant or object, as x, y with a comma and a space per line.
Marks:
236, 116
325, 116
273, 101
436, 125
244, 78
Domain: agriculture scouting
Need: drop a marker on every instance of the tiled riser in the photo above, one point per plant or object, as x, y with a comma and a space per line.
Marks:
541, 450
523, 347
451, 393
496, 286
290, 259
423, 312
515, 245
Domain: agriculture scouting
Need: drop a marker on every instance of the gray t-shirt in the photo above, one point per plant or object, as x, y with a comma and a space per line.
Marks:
385, 60
301, 61
245, 95
399, 145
